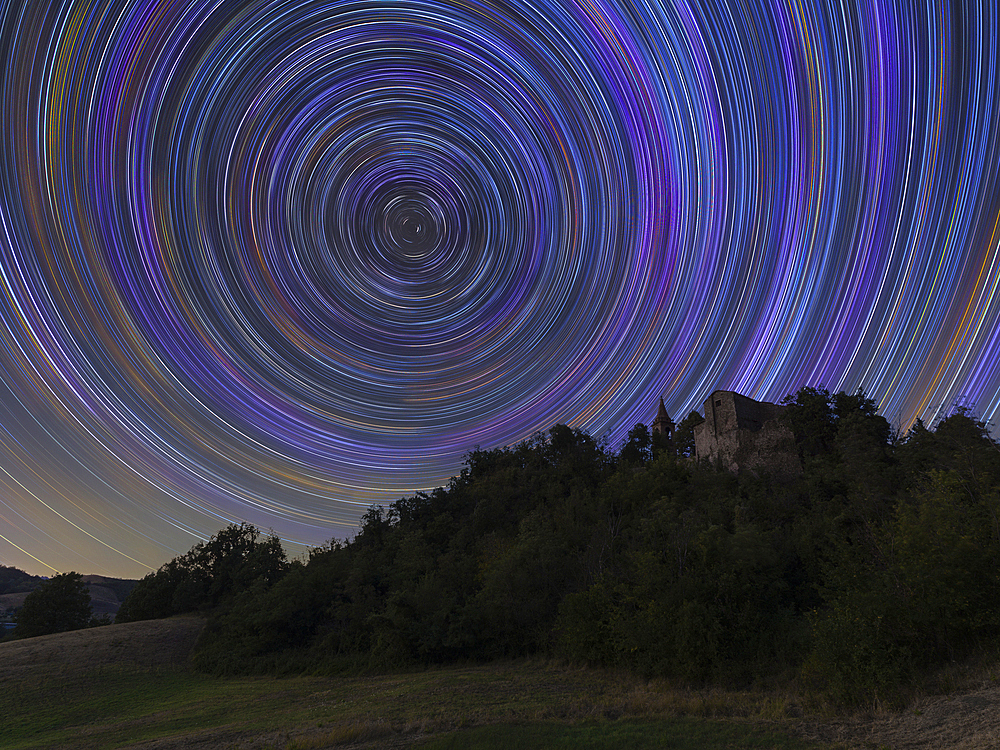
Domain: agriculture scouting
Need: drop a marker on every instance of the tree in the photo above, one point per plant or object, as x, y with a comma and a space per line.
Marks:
225, 566
61, 603
638, 446
684, 434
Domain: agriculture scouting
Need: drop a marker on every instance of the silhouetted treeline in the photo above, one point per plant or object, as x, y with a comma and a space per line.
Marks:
237, 561
878, 563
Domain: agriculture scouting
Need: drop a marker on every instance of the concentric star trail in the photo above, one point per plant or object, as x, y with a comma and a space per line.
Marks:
276, 261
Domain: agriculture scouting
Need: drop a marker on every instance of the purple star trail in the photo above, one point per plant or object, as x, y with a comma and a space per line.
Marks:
276, 261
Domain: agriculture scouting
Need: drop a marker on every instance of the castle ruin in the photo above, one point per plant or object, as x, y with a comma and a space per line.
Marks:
741, 434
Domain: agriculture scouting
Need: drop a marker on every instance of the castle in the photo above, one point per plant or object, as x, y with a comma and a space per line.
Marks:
741, 434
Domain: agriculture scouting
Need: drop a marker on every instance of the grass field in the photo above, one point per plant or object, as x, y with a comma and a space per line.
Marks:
131, 685
675, 734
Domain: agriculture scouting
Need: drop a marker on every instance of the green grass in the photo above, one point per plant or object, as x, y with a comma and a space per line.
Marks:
675, 734
109, 708
120, 685
112, 708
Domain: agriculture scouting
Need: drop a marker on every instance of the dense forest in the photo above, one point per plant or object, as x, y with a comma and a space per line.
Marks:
875, 565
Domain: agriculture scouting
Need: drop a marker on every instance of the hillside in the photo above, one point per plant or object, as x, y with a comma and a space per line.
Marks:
858, 578
16, 580
107, 594
143, 645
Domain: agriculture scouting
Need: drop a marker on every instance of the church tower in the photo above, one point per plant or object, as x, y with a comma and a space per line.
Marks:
663, 424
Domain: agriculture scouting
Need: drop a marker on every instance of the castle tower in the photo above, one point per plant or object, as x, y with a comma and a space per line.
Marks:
663, 424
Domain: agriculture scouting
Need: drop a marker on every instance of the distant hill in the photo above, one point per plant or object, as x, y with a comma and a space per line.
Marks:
106, 594
15, 580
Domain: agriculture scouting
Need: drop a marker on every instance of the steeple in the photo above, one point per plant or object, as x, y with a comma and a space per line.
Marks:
663, 424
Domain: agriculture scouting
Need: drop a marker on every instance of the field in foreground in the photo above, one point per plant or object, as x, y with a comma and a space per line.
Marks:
131, 686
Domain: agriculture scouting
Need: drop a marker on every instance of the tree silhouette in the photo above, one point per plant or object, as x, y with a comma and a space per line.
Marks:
61, 603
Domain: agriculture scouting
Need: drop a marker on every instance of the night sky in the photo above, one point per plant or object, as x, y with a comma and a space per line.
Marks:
276, 261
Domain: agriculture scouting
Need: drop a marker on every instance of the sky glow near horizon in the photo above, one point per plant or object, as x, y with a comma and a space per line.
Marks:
276, 261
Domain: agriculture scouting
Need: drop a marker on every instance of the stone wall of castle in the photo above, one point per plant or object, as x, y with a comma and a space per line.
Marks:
742, 434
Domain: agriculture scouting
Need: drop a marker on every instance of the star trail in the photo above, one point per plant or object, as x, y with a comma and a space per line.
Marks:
277, 261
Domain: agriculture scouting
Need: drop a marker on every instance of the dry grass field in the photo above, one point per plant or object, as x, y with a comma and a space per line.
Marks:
131, 686
140, 645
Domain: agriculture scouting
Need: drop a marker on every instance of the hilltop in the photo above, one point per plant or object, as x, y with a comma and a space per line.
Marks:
858, 575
